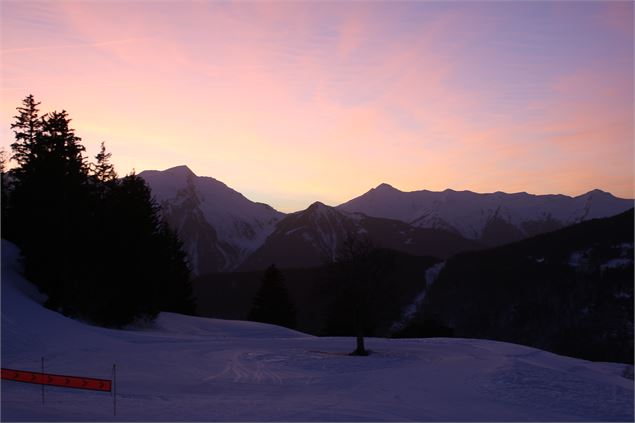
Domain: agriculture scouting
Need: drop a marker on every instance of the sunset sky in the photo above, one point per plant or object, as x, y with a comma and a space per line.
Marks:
293, 102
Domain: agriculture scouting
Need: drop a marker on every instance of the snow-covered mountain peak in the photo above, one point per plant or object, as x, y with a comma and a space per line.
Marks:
219, 226
384, 187
317, 206
319, 209
322, 215
181, 170
597, 193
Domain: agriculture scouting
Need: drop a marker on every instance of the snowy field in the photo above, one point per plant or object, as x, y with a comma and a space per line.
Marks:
187, 368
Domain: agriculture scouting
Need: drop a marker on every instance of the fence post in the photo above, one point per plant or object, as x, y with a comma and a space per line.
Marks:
42, 379
114, 389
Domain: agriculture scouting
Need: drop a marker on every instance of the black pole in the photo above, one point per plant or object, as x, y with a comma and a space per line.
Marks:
42, 380
114, 390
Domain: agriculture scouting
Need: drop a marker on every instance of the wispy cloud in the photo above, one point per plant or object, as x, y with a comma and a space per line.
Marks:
331, 99
72, 46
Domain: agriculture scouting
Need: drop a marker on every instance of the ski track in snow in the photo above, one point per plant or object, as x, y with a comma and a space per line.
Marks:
196, 369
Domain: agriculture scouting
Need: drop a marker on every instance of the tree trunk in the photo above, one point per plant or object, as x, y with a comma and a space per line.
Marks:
359, 330
360, 350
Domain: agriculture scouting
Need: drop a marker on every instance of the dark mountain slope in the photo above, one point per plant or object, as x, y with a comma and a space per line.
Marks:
568, 291
311, 238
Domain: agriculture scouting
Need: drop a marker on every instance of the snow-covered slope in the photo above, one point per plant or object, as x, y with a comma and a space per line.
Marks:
494, 218
219, 226
312, 237
196, 369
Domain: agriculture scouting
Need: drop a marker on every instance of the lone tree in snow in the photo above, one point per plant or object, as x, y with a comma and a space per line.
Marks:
272, 303
357, 273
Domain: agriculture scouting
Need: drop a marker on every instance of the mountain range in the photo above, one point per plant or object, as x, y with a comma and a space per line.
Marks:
222, 230
493, 219
568, 291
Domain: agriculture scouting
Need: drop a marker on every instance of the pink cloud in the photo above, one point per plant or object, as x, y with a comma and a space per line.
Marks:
342, 98
618, 16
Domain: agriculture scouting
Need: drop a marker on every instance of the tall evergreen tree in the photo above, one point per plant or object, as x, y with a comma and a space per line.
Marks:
4, 195
3, 160
145, 270
26, 128
103, 171
49, 202
128, 281
272, 303
174, 273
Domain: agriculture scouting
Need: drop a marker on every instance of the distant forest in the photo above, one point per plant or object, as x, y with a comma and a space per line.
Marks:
94, 243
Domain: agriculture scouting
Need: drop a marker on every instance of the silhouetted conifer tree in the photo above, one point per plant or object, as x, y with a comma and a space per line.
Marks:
4, 194
149, 271
131, 278
173, 274
272, 303
103, 171
27, 126
49, 202
95, 245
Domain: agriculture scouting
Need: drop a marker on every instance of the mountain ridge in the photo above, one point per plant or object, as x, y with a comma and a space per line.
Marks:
385, 186
493, 218
221, 228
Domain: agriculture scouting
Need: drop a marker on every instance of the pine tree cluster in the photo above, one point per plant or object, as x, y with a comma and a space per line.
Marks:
95, 244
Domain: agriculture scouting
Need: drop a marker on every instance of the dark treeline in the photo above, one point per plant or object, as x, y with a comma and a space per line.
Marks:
272, 303
94, 243
342, 298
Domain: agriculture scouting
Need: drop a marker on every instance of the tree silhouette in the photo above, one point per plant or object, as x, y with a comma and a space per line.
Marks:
272, 303
357, 277
26, 128
103, 171
174, 273
95, 245
5, 222
49, 202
